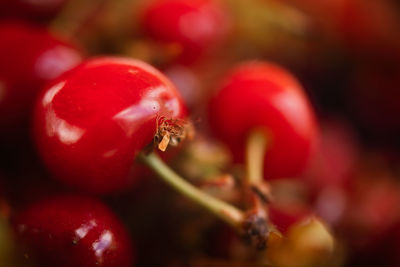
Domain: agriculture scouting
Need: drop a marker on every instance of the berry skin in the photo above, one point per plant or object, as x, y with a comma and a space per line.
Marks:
29, 57
262, 95
35, 10
73, 231
194, 26
92, 122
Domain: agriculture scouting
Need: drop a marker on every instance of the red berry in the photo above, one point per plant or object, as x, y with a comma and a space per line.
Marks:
36, 10
92, 122
194, 26
73, 231
29, 57
262, 95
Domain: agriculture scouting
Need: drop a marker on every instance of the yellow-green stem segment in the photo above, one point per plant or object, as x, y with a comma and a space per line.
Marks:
256, 147
221, 209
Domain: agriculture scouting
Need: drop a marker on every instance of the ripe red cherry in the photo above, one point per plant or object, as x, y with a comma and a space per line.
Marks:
91, 122
73, 231
263, 95
36, 10
194, 26
29, 57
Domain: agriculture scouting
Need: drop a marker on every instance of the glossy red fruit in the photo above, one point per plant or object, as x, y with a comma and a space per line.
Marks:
36, 10
92, 122
263, 95
195, 27
73, 231
29, 57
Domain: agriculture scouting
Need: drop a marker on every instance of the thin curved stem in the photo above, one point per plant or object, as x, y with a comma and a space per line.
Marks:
256, 147
223, 210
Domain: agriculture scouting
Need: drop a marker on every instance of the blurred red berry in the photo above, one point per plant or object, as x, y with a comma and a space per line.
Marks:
29, 57
263, 95
195, 27
73, 231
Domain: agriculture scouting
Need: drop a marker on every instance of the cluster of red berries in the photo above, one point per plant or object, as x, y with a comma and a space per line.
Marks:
92, 122
95, 120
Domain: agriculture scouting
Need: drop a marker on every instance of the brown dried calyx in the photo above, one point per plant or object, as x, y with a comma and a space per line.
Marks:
172, 132
258, 231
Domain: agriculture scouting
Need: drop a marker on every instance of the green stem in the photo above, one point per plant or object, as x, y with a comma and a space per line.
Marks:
221, 209
256, 147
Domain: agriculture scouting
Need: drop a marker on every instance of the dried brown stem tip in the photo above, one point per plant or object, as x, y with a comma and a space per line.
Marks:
256, 230
256, 227
172, 132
